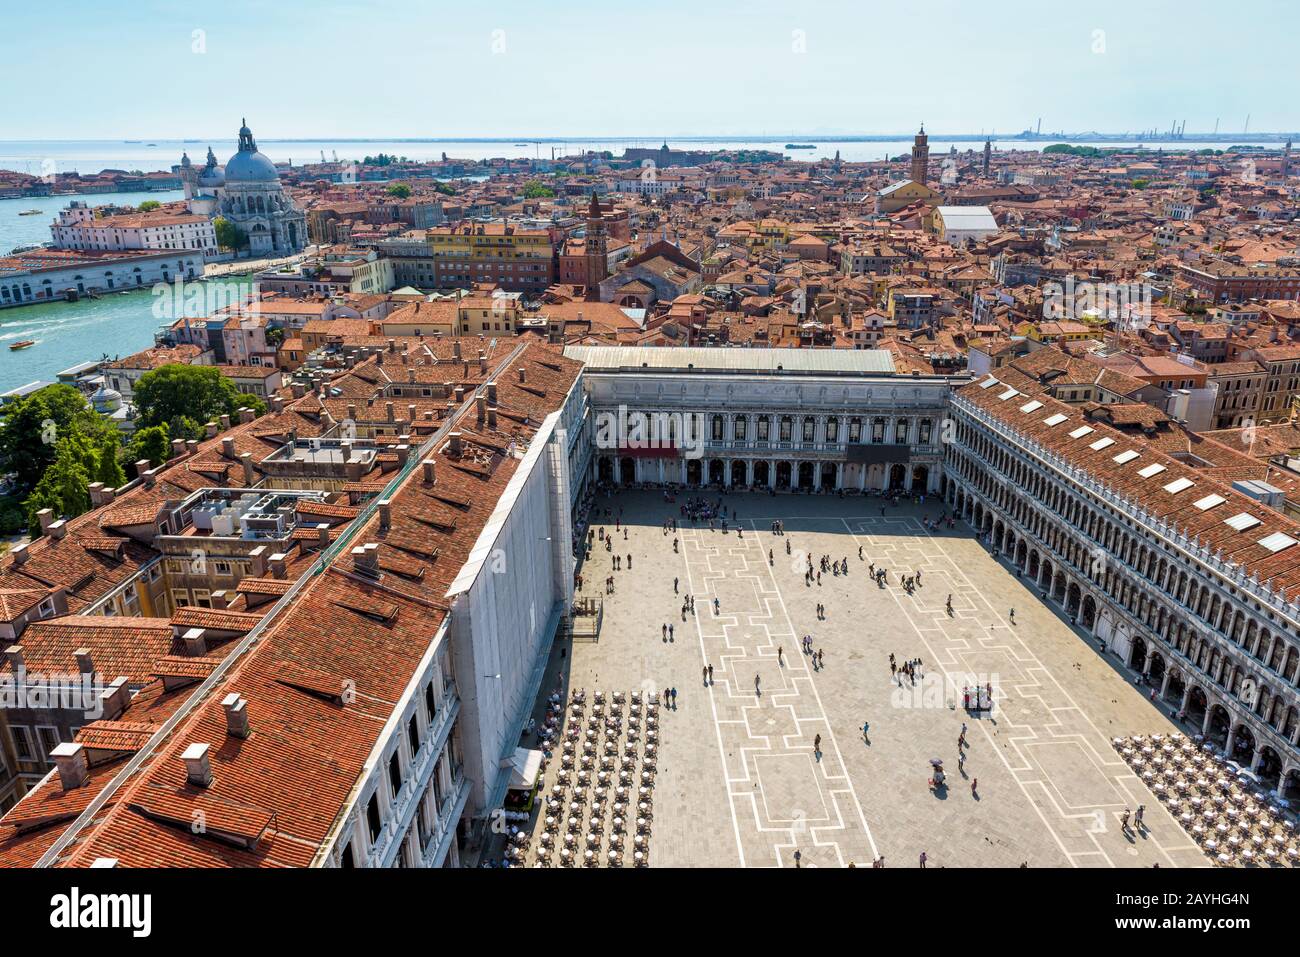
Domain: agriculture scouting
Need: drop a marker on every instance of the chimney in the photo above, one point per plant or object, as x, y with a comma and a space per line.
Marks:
365, 558
191, 446
70, 758
228, 446
385, 514
480, 408
410, 376
149, 476
402, 450
114, 698
224, 420
392, 345
85, 663
482, 363
58, 529
210, 430
430, 471
455, 444
96, 490
258, 555
455, 349
353, 468
109, 494
196, 643
410, 412
298, 389
388, 411
220, 599
523, 375
323, 535
46, 516
352, 411
277, 565
460, 394
492, 391
246, 415
492, 416
14, 655
236, 709
246, 460
198, 771
178, 448
19, 552
277, 404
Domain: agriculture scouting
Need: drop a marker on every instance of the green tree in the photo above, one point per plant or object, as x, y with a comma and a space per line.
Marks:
229, 236
62, 488
400, 190
151, 442
183, 397
35, 424
148, 206
536, 189
108, 468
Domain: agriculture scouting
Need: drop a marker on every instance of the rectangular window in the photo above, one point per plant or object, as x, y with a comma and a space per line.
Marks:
23, 743
372, 817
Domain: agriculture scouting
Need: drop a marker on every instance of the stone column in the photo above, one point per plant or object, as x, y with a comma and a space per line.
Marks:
726, 473
1164, 683
1209, 712
1256, 758
839, 475
817, 477
618, 470
1232, 739
1281, 781
1187, 697
771, 473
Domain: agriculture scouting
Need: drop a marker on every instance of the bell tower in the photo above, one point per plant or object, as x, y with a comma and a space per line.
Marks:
920, 157
595, 250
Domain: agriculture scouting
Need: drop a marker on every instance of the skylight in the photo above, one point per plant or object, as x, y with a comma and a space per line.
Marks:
1155, 468
1207, 503
1008, 394
1277, 541
1031, 406
1104, 442
1055, 419
990, 381
1178, 485
1128, 456
1241, 521
1081, 431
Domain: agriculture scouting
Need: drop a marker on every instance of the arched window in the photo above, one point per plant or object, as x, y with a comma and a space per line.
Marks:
787, 425
832, 429
809, 428
717, 428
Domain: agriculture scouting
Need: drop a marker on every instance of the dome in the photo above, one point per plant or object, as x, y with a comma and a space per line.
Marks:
251, 167
106, 399
248, 165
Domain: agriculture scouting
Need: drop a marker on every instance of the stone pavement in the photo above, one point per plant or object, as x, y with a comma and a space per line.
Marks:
739, 782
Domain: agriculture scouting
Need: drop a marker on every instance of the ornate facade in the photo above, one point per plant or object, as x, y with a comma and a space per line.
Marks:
1217, 643
247, 191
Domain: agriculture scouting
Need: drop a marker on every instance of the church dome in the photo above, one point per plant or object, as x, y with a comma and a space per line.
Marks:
106, 400
248, 165
254, 167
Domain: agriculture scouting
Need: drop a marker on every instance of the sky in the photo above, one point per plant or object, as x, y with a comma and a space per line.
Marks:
329, 69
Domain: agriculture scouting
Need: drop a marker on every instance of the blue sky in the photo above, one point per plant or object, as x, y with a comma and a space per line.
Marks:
109, 69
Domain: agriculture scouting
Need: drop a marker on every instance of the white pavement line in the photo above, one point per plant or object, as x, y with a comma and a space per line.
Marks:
954, 569
713, 707
830, 732
949, 683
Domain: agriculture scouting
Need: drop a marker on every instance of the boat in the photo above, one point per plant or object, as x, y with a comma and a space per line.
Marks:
21, 344
29, 212
800, 146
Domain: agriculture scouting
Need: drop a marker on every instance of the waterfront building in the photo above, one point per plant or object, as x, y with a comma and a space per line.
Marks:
167, 228
47, 274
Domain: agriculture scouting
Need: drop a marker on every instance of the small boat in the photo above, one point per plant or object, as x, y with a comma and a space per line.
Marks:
21, 344
800, 146
29, 212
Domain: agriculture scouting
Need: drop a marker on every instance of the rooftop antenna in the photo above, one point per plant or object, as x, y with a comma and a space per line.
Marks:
1247, 128
1216, 126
